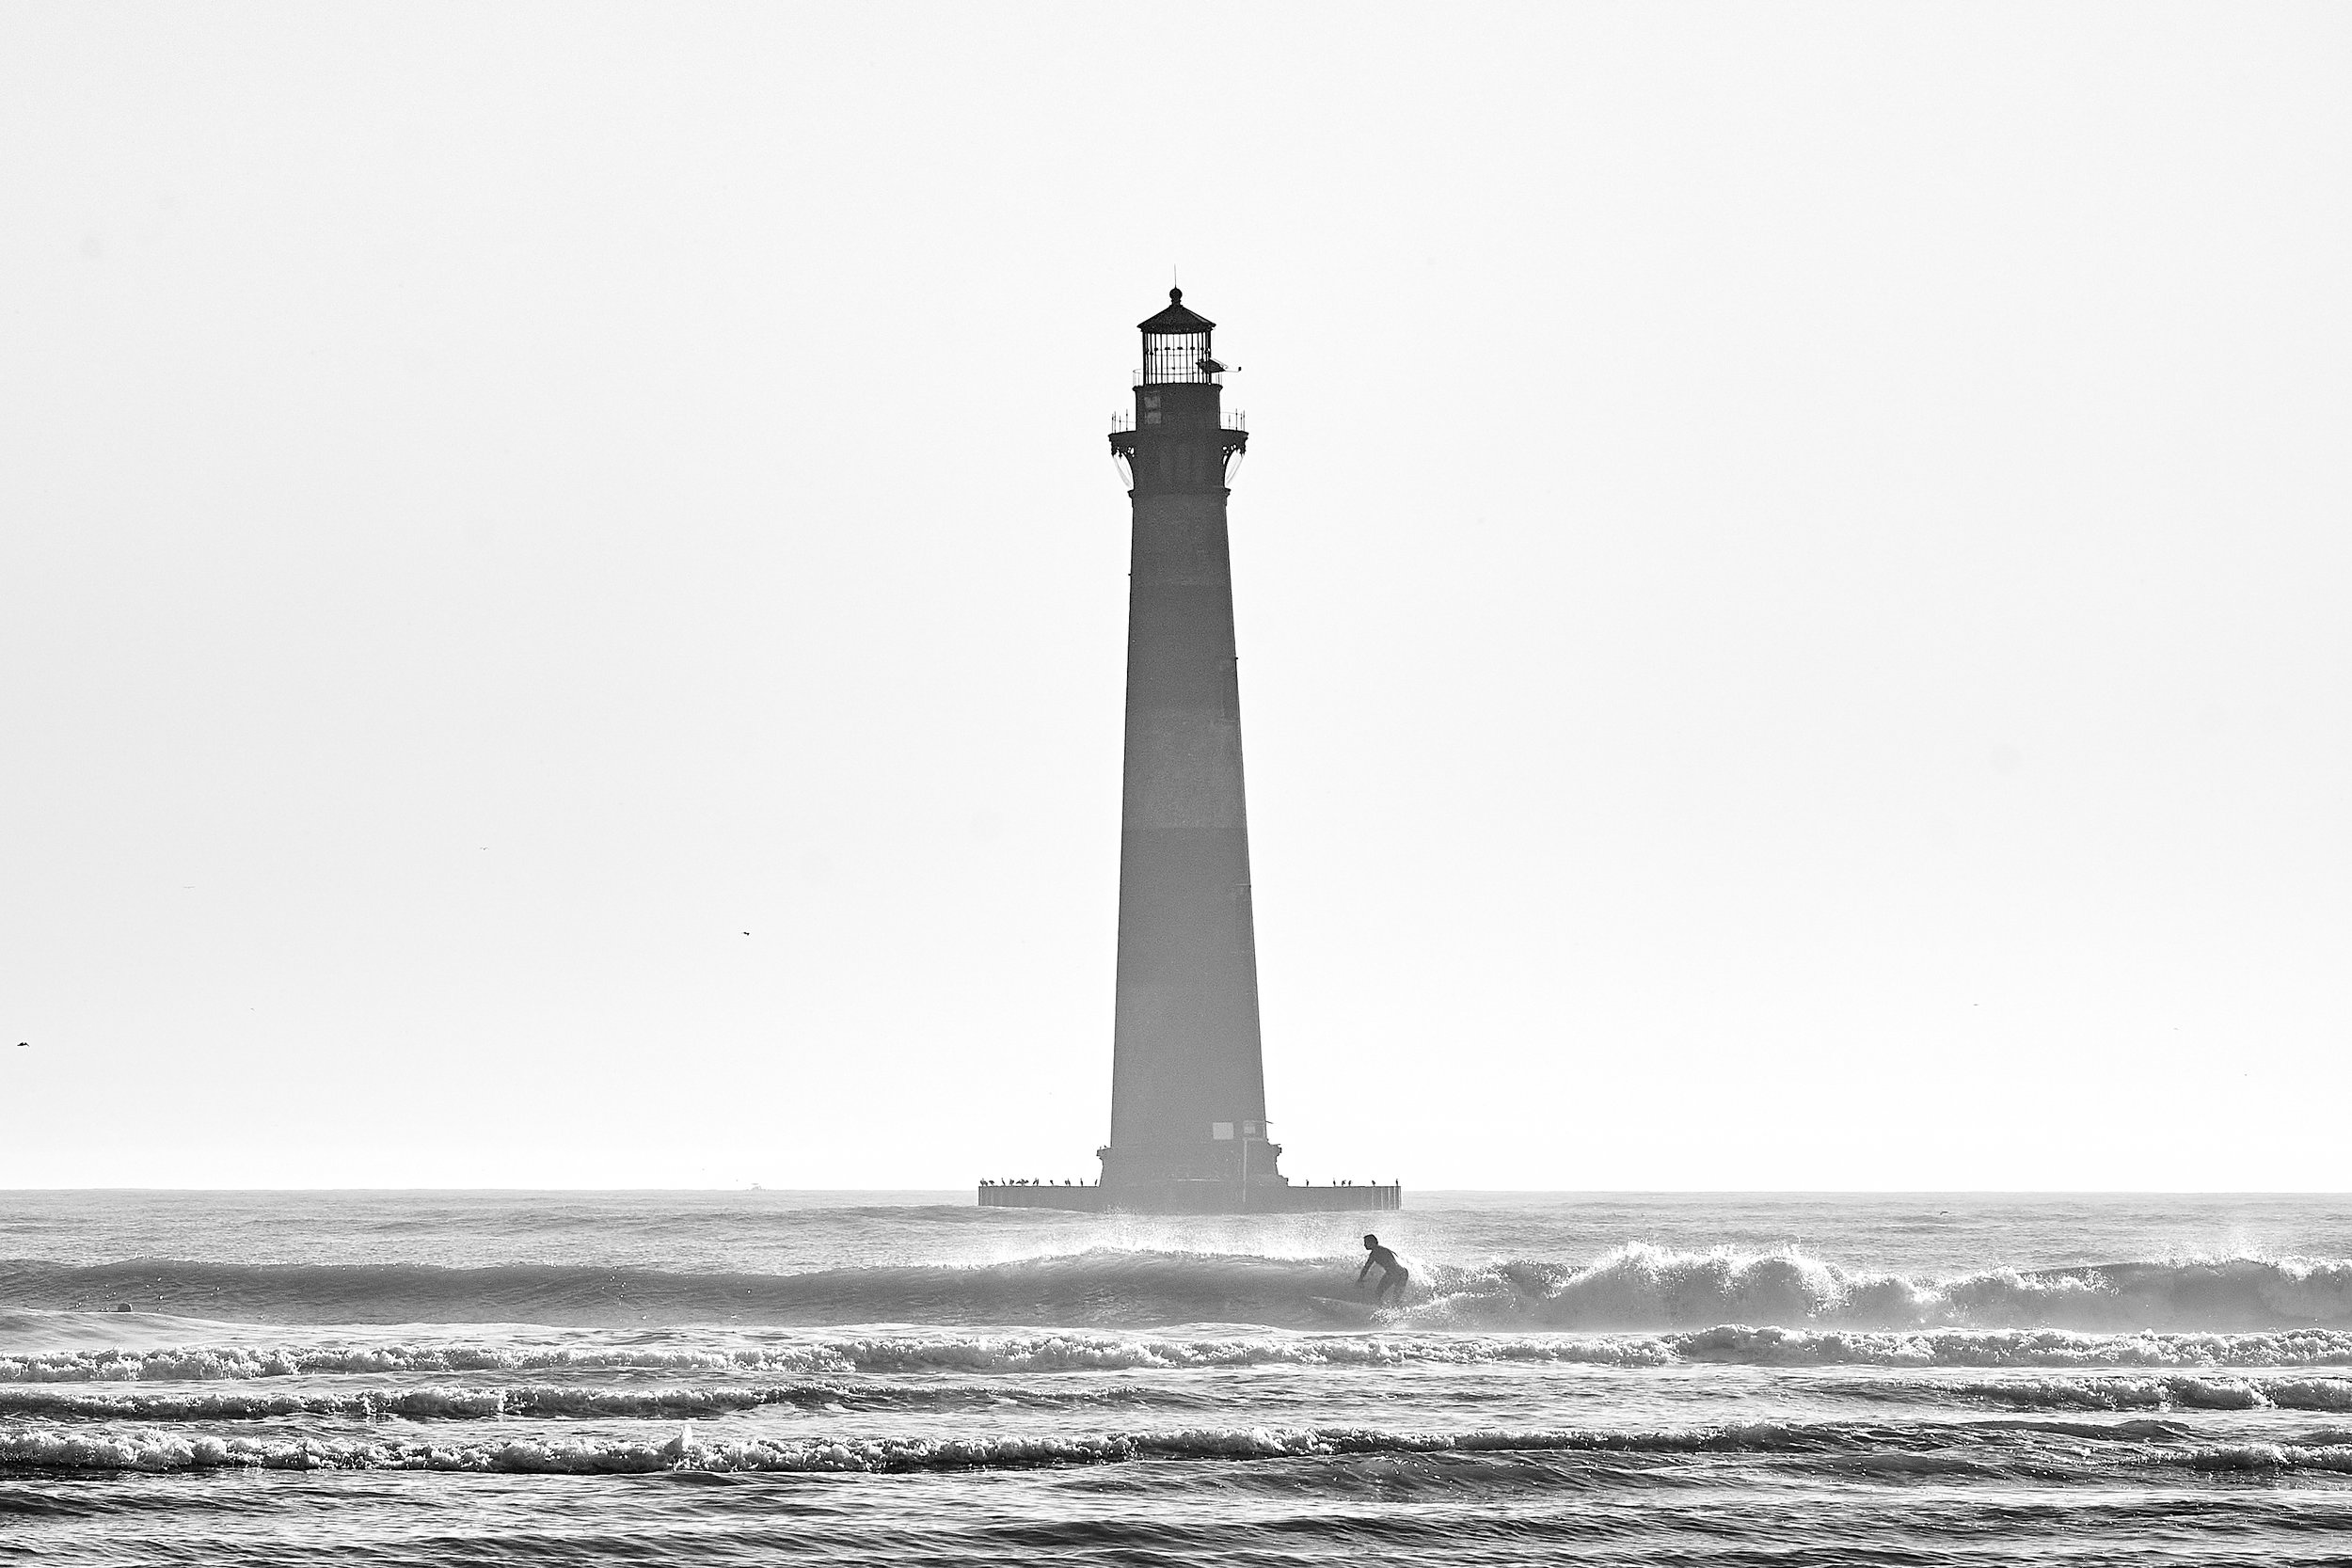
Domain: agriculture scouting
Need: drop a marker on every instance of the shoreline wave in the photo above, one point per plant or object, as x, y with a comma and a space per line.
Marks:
529, 1401
548, 1401
1927, 1450
906, 1352
159, 1451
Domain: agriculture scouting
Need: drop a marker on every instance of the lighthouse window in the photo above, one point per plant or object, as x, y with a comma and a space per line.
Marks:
1221, 1130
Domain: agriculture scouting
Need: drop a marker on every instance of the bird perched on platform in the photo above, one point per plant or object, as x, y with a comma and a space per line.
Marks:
1210, 367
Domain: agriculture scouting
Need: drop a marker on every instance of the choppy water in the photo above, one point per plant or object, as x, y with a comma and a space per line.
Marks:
429, 1378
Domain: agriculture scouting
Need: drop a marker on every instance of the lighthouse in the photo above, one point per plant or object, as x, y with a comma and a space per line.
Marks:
1189, 1129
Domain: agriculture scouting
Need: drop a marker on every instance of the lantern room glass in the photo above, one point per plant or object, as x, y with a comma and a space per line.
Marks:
1171, 356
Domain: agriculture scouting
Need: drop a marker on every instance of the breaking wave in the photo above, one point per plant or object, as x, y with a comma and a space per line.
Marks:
2174, 1392
1633, 1287
877, 1354
1923, 1449
145, 1449
2269, 1458
1643, 1287
918, 1353
560, 1401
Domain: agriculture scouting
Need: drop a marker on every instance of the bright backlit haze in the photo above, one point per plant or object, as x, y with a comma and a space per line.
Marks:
1794, 582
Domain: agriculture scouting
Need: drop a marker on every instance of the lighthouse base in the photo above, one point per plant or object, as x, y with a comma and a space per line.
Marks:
1196, 1198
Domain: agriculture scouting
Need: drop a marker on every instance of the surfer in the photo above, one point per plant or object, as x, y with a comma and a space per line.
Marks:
1393, 1275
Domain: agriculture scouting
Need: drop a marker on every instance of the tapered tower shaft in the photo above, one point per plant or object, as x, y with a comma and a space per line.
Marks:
1187, 1077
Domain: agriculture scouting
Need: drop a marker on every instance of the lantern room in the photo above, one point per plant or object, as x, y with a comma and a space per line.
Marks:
1176, 346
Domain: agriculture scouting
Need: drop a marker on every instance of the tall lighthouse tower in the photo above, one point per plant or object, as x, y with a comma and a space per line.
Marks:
1188, 1114
1187, 1079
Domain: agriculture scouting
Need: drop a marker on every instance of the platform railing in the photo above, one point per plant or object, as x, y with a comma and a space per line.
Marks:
1213, 378
1197, 1196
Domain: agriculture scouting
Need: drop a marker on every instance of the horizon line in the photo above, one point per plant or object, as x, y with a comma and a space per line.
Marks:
1484, 1192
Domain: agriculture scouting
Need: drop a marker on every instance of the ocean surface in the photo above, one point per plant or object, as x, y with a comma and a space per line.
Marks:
751, 1377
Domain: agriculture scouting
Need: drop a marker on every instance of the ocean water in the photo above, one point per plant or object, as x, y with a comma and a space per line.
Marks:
843, 1377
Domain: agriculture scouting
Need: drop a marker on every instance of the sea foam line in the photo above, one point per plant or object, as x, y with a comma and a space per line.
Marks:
158, 1450
540, 1400
2176, 1391
1003, 1355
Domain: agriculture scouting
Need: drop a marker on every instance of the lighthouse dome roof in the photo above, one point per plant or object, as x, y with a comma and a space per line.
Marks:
1176, 318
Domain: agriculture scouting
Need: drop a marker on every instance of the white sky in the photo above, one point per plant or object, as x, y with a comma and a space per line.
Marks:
1794, 577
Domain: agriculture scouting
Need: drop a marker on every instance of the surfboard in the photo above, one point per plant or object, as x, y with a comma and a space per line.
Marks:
1345, 1311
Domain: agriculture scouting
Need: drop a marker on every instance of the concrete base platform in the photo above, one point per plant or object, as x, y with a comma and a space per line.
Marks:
1196, 1198
996, 1194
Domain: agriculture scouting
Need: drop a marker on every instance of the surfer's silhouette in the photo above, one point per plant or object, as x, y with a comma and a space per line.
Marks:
1393, 1275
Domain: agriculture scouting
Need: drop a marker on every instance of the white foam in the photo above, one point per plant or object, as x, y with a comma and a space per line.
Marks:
2176, 1391
919, 1352
141, 1449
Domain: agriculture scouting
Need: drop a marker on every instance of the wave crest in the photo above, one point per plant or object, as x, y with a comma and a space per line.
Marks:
1647, 1287
1014, 1354
147, 1449
1635, 1288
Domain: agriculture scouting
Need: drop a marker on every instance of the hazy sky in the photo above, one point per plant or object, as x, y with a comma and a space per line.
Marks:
1795, 582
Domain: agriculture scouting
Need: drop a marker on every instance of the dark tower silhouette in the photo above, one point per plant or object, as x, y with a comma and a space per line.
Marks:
1188, 1122
1188, 1080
